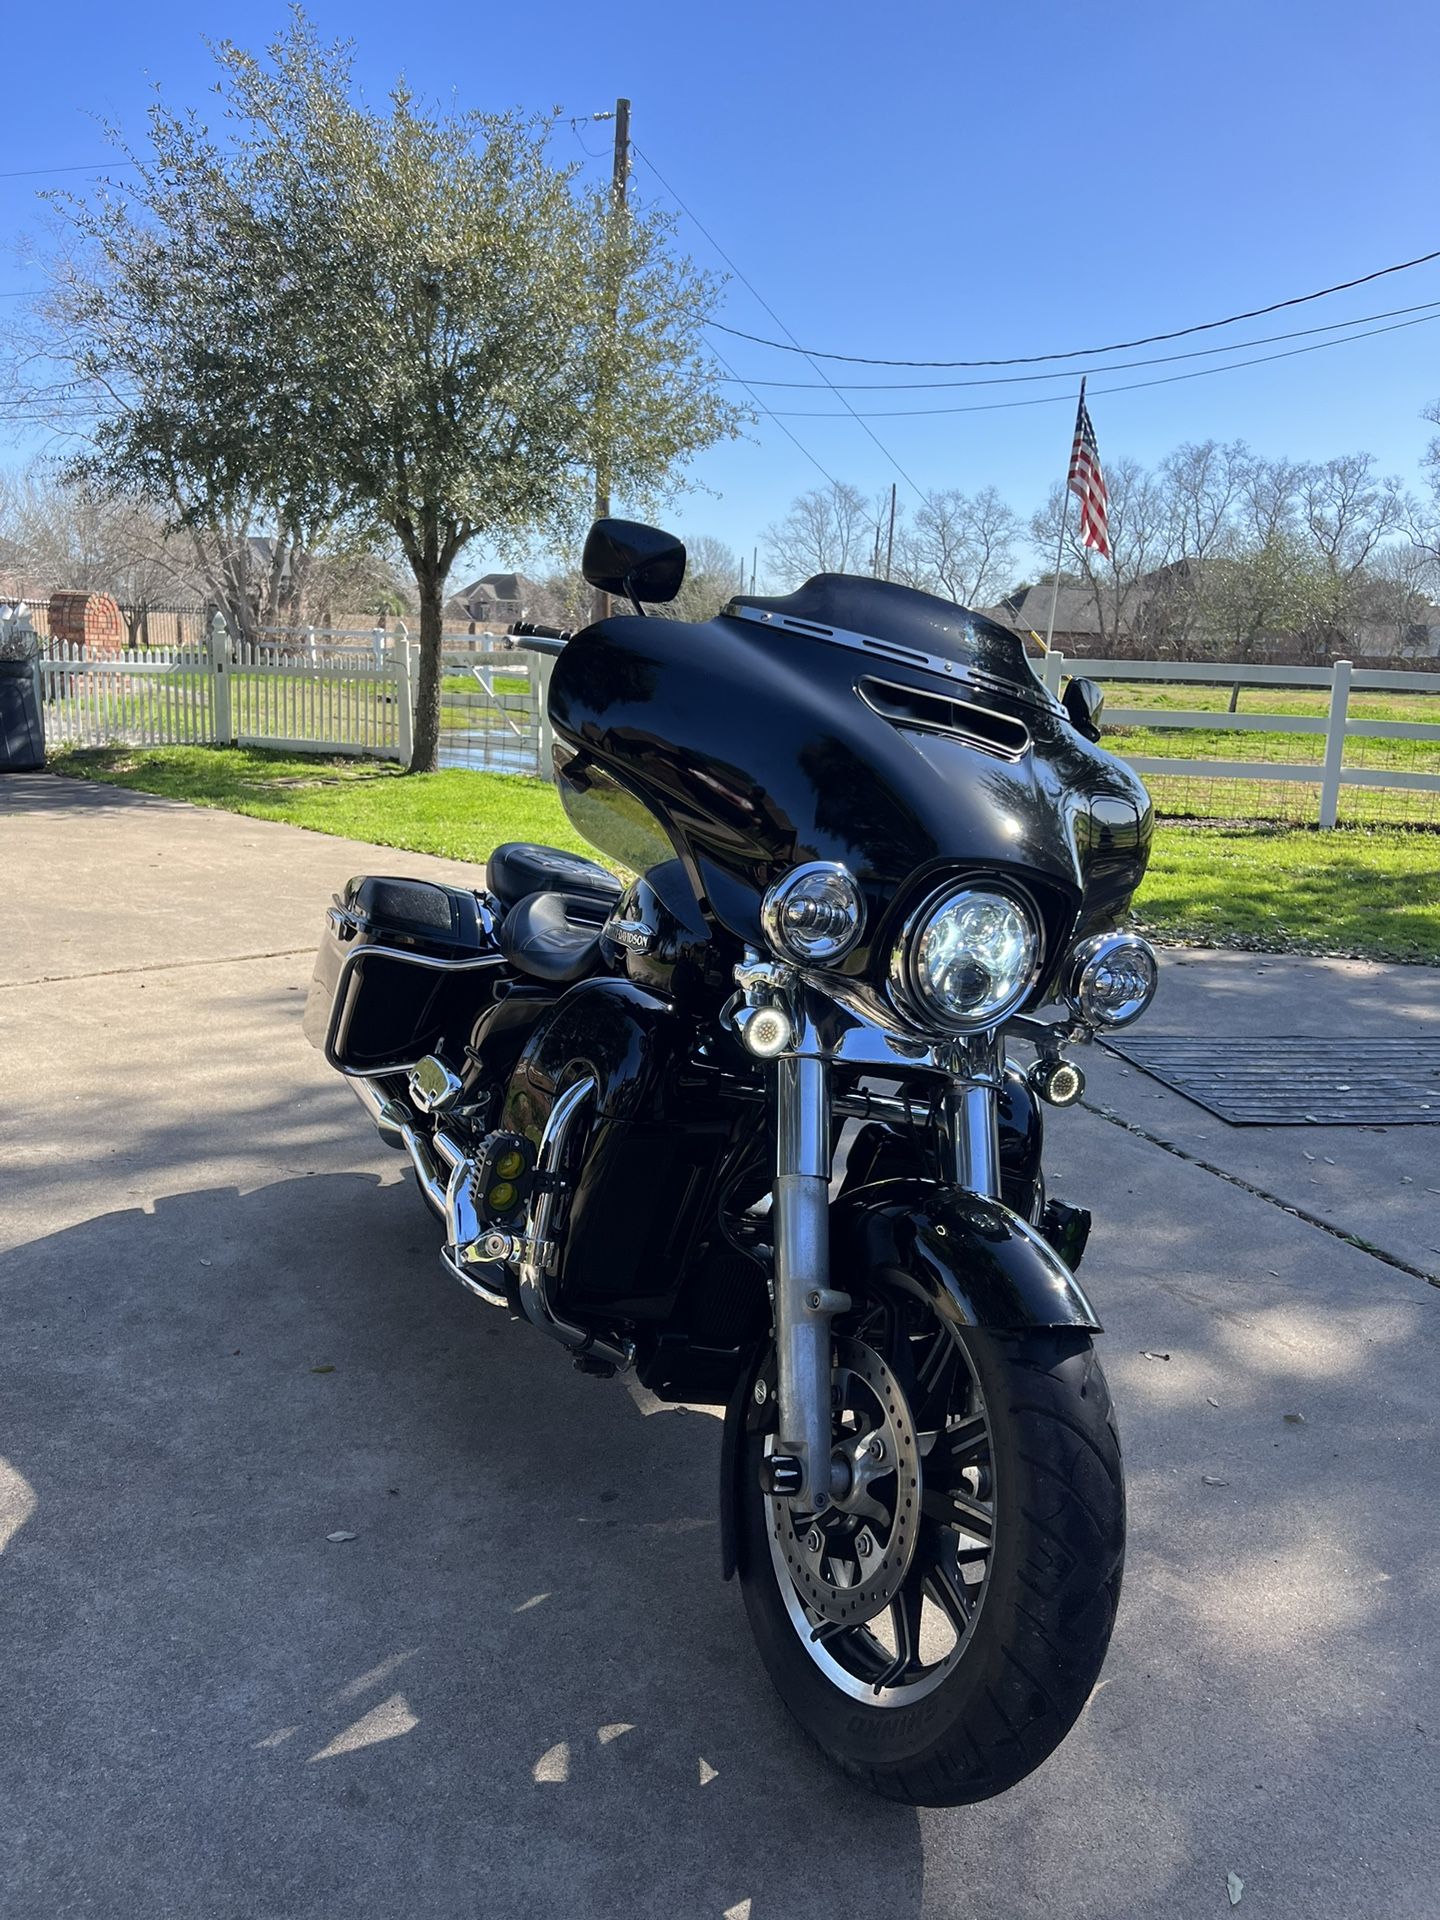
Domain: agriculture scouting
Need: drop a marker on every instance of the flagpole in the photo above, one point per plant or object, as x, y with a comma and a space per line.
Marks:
1064, 522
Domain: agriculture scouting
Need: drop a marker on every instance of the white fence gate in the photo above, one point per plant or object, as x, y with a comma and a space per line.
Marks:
309, 693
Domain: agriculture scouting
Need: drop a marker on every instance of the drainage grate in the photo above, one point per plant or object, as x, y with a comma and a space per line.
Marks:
1298, 1081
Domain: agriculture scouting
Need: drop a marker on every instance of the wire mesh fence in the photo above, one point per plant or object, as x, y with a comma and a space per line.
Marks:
492, 709
1359, 747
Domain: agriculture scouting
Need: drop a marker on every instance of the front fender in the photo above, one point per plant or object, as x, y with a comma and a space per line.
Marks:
974, 1261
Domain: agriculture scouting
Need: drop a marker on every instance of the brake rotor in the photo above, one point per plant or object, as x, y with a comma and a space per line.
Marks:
849, 1563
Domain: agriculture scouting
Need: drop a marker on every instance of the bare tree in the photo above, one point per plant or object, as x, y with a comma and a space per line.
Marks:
1205, 482
1142, 540
1347, 510
61, 534
1423, 527
828, 530
713, 574
1394, 598
959, 545
1268, 507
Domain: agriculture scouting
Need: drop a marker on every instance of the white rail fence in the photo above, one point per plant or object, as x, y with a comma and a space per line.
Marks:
312, 692
317, 690
1337, 729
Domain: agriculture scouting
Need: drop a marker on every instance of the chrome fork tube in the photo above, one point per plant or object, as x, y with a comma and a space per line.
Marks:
970, 1123
804, 1300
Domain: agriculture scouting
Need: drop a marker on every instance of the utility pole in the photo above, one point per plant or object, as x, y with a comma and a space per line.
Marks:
619, 183
890, 542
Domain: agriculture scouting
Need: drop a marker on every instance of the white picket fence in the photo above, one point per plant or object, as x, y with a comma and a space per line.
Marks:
1330, 773
311, 692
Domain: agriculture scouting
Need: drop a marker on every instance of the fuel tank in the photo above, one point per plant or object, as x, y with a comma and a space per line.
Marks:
856, 721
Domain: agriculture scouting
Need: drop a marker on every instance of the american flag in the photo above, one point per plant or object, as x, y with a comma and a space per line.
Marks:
1088, 482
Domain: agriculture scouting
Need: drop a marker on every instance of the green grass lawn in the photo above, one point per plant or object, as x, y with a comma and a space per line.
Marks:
1310, 702
1370, 891
459, 814
178, 704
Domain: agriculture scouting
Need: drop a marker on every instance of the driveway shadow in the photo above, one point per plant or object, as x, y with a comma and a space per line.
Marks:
520, 1687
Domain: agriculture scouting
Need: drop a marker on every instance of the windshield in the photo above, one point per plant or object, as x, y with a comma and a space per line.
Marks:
610, 817
908, 624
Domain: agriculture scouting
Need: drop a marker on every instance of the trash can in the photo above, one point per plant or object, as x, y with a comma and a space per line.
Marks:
22, 732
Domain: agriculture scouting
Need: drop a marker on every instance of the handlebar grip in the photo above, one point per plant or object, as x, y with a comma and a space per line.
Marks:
533, 630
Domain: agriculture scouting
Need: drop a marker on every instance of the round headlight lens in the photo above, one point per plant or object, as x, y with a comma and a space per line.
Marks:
1112, 979
969, 960
815, 914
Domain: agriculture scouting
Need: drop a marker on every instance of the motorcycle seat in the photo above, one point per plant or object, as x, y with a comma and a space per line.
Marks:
554, 936
520, 867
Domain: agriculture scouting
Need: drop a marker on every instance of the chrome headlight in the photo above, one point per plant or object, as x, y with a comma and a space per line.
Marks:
1111, 979
815, 914
967, 959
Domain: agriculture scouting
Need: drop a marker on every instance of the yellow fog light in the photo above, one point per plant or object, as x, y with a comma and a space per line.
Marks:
511, 1162
502, 1196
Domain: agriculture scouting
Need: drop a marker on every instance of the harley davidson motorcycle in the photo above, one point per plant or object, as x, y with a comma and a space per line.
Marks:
745, 1122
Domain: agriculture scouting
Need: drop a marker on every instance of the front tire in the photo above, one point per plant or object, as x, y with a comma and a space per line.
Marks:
1029, 1620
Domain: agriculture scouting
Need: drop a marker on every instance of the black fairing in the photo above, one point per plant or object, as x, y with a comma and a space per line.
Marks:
754, 745
659, 937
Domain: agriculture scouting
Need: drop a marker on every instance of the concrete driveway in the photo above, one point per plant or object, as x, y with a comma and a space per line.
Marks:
521, 1688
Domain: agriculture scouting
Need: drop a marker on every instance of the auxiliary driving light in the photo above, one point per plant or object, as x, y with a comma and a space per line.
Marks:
1111, 979
816, 913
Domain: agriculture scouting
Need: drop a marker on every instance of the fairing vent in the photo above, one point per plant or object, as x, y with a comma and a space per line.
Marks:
981, 727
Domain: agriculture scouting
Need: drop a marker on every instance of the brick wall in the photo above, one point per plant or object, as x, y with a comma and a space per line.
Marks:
92, 619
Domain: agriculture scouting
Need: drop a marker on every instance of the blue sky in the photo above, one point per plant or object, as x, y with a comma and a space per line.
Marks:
928, 181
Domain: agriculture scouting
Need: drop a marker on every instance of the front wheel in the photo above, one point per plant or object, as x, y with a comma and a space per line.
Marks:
938, 1628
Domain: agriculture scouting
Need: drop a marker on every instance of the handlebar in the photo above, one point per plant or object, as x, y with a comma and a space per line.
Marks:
535, 638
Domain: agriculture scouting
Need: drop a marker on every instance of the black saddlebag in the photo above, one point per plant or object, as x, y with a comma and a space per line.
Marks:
403, 966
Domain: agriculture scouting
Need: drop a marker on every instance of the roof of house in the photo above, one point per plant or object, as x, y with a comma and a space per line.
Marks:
479, 599
1029, 610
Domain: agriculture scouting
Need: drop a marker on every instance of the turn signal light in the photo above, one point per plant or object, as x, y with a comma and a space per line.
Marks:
766, 1031
1058, 1082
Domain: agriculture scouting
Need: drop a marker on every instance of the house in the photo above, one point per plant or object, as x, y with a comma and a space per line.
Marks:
1085, 615
494, 599
1077, 620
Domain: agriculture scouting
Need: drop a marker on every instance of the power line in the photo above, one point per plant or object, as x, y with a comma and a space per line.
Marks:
1133, 386
32, 173
770, 414
1072, 373
1073, 353
914, 487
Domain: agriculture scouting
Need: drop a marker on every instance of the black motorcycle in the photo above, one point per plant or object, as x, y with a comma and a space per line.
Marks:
744, 1121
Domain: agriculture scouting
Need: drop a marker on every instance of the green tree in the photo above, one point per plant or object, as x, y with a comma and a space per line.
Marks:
406, 322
